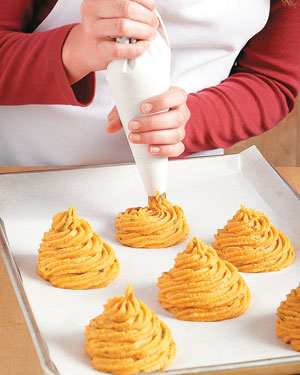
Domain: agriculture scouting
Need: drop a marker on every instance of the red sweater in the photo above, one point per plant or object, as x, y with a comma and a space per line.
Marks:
259, 92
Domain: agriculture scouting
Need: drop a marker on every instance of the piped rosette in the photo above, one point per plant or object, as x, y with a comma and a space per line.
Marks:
72, 256
288, 322
158, 225
128, 338
252, 244
203, 287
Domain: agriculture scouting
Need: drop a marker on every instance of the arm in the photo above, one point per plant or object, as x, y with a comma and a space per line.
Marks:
56, 66
31, 69
260, 91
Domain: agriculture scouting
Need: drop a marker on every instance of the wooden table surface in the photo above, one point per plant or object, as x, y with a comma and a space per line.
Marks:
17, 353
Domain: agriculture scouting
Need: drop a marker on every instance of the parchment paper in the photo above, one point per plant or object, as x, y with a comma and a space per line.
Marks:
210, 190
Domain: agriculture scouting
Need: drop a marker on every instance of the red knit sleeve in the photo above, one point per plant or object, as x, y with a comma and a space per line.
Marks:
31, 69
260, 91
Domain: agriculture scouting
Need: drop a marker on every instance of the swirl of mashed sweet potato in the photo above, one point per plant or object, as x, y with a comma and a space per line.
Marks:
252, 244
158, 225
203, 287
72, 256
288, 322
128, 338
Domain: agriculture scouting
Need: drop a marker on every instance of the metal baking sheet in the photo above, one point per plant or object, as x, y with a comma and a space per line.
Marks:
210, 190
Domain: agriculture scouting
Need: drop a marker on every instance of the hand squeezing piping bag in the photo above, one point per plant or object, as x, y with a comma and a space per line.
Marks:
131, 82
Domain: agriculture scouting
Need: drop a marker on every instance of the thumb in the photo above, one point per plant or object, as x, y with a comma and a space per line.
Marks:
114, 123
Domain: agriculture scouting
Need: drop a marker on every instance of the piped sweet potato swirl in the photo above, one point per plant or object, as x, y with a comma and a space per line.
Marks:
203, 287
72, 256
252, 244
288, 322
158, 225
128, 338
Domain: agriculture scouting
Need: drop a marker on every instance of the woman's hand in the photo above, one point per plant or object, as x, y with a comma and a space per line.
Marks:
91, 45
163, 132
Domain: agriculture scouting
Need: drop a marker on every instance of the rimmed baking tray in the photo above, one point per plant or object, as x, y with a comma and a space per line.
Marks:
210, 190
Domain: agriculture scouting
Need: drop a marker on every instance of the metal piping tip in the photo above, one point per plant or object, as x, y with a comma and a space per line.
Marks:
152, 200
161, 196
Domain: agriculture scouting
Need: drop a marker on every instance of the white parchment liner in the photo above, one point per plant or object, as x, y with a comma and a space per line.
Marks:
210, 190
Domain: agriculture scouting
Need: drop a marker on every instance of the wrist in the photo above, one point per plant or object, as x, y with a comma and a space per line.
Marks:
72, 55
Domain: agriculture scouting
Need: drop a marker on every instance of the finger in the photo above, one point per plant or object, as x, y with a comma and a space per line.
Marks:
160, 137
174, 97
133, 10
150, 4
122, 27
114, 126
139, 10
166, 150
174, 118
113, 114
114, 123
122, 51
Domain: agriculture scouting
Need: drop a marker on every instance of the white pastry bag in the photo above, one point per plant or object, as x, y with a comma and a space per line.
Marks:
133, 81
